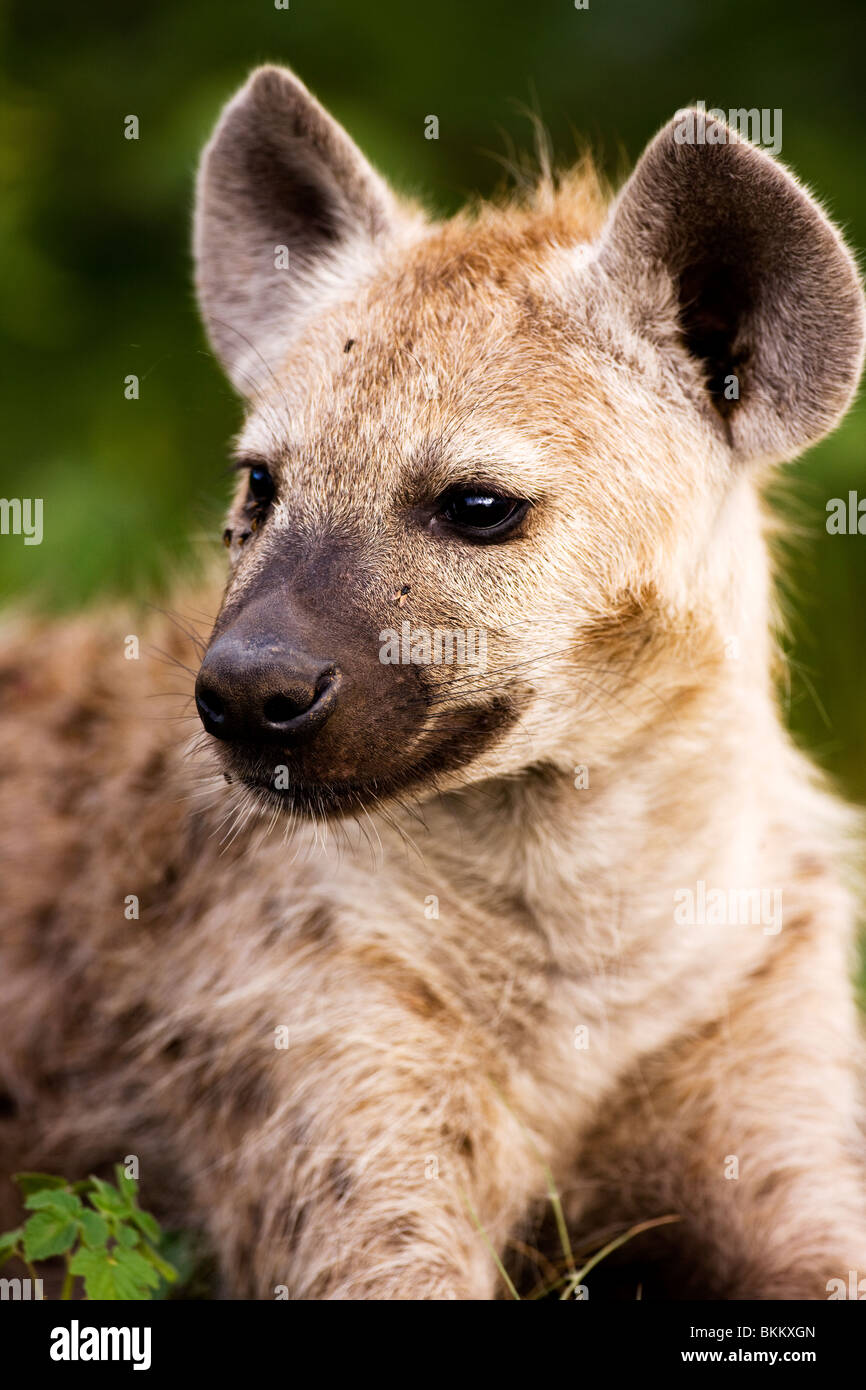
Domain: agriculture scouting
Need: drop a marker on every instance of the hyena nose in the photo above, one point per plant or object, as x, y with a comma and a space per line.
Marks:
265, 695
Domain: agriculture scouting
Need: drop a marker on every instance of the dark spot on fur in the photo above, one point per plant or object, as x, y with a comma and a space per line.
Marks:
253, 1095
134, 1020
152, 773
400, 1233
8, 1106
45, 917
459, 1141
169, 877
350, 343
14, 682
77, 720
341, 1179
175, 1049
317, 926
768, 1185
421, 999
54, 1083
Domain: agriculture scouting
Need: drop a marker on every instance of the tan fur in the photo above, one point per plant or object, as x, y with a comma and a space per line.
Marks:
431, 1071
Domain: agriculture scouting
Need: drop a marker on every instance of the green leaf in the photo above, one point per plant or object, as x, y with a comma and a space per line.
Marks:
106, 1206
168, 1272
128, 1191
104, 1198
52, 1199
127, 1187
35, 1182
137, 1267
94, 1228
9, 1243
114, 1275
146, 1223
97, 1273
127, 1235
10, 1239
48, 1233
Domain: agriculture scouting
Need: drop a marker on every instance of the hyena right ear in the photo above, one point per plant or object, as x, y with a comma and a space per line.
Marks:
288, 213
713, 247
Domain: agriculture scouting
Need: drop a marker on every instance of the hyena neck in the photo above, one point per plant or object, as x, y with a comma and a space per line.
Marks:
599, 851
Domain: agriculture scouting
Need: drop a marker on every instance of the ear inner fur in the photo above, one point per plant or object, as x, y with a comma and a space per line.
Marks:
285, 200
765, 290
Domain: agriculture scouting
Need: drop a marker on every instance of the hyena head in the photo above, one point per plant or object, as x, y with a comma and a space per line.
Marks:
538, 428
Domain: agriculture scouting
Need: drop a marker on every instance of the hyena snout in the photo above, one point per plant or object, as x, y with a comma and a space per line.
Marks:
263, 688
296, 689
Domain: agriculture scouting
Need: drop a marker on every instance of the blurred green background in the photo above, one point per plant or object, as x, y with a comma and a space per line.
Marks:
94, 235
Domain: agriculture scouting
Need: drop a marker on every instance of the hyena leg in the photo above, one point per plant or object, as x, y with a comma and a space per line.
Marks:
749, 1134
381, 1164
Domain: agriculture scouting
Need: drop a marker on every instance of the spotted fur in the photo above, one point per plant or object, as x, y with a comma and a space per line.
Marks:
470, 944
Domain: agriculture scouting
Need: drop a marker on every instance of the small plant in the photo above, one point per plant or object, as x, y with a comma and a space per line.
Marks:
99, 1229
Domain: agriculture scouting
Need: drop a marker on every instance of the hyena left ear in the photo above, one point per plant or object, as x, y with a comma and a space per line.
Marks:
288, 213
719, 250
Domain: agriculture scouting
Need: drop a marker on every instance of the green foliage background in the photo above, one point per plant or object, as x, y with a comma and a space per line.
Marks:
94, 234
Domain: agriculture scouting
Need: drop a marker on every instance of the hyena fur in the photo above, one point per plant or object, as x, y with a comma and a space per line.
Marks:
406, 942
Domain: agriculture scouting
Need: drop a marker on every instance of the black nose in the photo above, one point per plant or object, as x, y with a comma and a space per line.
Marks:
263, 693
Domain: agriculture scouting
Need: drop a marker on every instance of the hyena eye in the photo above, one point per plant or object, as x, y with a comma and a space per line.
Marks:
261, 484
479, 514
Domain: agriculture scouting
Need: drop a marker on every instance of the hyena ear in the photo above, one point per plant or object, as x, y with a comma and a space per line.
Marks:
288, 212
718, 248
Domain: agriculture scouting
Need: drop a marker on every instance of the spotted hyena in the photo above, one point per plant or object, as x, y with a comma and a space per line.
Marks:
392, 940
